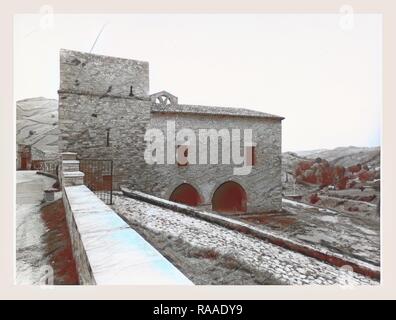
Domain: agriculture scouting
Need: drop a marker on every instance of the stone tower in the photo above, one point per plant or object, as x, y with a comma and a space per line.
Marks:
104, 107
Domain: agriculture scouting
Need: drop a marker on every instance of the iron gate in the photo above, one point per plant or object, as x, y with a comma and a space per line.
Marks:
98, 177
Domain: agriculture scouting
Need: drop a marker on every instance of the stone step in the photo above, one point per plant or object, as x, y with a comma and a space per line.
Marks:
70, 165
69, 156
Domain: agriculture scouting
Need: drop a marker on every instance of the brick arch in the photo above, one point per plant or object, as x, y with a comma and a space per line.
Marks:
187, 194
230, 197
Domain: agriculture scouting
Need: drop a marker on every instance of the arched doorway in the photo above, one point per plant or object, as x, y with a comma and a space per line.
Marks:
187, 194
230, 197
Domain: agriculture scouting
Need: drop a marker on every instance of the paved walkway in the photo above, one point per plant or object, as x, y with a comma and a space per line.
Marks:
117, 254
287, 266
31, 263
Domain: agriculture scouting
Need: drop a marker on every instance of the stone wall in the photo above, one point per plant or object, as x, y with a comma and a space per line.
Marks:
263, 185
101, 125
83, 266
106, 250
96, 74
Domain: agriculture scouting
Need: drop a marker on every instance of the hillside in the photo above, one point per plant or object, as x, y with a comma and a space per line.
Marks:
342, 156
37, 125
346, 179
346, 156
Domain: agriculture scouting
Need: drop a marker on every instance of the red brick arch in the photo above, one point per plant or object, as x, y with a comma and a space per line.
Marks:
186, 194
230, 197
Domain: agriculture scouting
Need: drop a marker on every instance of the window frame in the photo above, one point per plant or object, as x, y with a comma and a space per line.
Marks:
253, 156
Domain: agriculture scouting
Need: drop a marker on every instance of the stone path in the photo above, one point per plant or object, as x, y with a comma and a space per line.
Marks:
31, 262
286, 266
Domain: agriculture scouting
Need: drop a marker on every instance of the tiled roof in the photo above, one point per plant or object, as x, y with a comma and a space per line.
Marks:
209, 110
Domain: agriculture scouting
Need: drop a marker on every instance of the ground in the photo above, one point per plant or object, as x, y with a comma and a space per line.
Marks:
30, 249
58, 245
206, 253
42, 240
307, 175
210, 254
347, 234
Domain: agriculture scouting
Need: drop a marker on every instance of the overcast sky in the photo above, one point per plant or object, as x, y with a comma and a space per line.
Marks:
322, 75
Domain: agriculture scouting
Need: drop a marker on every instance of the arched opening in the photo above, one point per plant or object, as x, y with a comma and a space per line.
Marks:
187, 194
230, 197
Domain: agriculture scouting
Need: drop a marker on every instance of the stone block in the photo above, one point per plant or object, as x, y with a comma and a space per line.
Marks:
49, 195
70, 165
75, 178
69, 156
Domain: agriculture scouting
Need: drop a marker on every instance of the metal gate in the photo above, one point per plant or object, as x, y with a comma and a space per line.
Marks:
98, 177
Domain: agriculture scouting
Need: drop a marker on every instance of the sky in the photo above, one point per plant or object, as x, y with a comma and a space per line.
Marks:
321, 72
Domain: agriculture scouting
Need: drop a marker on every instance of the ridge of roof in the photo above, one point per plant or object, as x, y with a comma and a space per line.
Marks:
212, 110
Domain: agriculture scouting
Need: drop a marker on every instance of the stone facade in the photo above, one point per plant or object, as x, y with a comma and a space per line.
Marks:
104, 112
99, 117
263, 185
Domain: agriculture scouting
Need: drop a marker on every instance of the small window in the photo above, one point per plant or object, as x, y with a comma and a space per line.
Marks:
182, 155
108, 138
250, 156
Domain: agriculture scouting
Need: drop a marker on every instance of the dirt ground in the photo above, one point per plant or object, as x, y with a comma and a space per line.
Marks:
57, 243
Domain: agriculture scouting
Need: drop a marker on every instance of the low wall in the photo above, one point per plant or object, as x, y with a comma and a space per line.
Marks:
84, 270
318, 253
107, 251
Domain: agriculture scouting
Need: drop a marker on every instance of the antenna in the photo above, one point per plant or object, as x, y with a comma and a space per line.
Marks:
97, 37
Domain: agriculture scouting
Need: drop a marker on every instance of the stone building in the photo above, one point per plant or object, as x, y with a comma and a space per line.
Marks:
105, 111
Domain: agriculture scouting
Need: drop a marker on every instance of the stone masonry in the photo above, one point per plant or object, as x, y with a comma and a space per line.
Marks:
100, 94
262, 185
105, 109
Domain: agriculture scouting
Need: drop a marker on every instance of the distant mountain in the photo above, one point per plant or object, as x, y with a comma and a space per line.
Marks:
37, 126
345, 179
346, 156
342, 156
307, 153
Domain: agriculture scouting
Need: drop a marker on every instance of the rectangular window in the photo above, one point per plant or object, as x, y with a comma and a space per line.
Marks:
182, 155
250, 156
108, 138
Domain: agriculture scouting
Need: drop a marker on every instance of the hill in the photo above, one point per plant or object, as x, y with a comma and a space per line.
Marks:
37, 125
